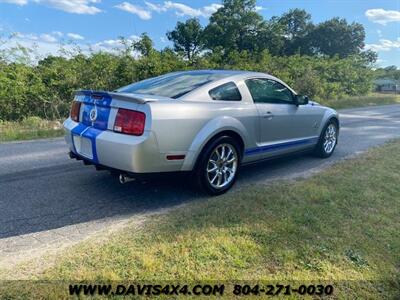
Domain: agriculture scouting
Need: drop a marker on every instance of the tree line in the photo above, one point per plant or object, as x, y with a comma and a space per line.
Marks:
322, 60
389, 72
237, 26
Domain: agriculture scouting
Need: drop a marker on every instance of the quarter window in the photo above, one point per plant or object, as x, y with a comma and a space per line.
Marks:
269, 91
226, 92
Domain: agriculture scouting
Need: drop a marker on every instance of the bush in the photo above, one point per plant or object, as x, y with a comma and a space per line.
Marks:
47, 88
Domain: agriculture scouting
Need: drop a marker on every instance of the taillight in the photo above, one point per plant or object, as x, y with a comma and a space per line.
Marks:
75, 109
129, 121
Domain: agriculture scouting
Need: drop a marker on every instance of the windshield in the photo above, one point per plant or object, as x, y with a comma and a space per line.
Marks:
172, 85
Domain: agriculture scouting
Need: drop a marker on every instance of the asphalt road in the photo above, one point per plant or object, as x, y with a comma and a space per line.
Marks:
49, 201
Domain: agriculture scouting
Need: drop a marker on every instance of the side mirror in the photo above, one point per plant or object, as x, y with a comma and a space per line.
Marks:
302, 99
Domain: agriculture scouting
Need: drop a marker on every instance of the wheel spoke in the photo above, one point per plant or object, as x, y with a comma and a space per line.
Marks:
212, 170
231, 160
215, 177
223, 152
230, 152
219, 179
230, 170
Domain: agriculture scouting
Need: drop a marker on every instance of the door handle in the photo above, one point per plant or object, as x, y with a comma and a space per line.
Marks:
268, 115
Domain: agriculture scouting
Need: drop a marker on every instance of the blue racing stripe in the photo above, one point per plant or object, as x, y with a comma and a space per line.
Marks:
92, 134
101, 101
77, 130
278, 146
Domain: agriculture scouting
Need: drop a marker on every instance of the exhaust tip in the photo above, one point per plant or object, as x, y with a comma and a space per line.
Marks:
123, 178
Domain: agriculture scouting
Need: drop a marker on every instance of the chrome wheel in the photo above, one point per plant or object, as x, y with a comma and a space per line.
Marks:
222, 166
330, 138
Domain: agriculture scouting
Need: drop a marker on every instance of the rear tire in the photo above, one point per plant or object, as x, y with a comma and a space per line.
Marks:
218, 165
328, 140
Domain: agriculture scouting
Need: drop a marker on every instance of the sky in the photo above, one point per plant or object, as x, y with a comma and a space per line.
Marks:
98, 23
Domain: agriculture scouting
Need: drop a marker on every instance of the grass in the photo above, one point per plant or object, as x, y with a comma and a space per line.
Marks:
372, 99
28, 129
341, 226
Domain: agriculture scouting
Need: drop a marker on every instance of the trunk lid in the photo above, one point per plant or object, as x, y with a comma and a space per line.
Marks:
97, 105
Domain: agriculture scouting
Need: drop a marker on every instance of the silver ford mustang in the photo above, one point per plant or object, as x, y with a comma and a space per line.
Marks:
208, 122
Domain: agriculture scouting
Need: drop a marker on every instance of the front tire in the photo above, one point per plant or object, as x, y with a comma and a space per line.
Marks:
328, 140
218, 165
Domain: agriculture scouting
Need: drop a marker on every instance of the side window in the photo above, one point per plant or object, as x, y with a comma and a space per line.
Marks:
269, 91
227, 91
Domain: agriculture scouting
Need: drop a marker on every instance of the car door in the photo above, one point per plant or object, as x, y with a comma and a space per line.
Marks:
284, 125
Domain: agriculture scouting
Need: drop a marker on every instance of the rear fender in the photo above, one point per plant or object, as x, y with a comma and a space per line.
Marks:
211, 129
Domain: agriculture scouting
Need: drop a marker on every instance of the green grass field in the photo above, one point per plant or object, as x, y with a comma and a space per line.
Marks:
29, 129
360, 101
340, 226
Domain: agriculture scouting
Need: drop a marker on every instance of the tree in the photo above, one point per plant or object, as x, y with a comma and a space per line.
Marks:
388, 72
297, 26
337, 37
187, 38
369, 56
234, 26
144, 45
270, 37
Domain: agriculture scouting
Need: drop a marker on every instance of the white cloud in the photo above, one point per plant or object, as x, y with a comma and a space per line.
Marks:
210, 9
112, 44
38, 45
17, 2
48, 38
53, 37
73, 6
136, 10
40, 48
384, 45
183, 9
29, 36
75, 36
57, 33
155, 7
382, 16
70, 6
43, 45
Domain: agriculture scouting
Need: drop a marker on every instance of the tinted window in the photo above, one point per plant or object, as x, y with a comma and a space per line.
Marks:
227, 91
269, 91
172, 85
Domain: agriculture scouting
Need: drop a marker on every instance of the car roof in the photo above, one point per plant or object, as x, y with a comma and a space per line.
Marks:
233, 74
222, 72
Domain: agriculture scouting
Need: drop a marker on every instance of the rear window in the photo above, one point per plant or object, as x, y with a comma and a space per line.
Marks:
227, 92
172, 85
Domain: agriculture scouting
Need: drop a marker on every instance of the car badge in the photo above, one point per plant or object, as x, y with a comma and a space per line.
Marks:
93, 115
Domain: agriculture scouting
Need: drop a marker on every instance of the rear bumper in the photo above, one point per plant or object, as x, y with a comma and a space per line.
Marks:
133, 154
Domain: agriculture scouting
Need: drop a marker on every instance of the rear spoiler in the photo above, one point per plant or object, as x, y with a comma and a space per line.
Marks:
136, 98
